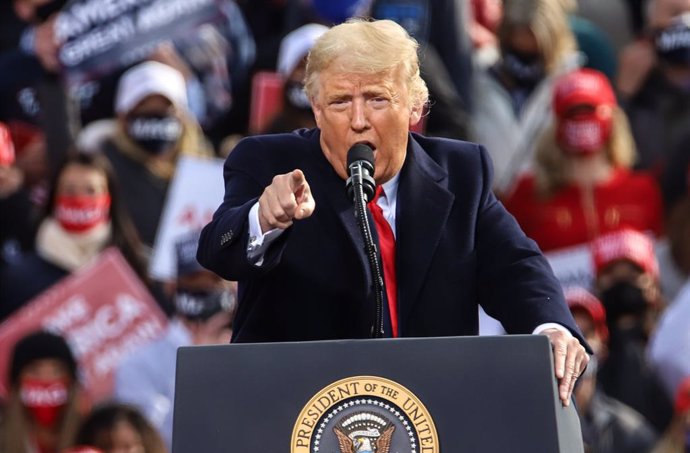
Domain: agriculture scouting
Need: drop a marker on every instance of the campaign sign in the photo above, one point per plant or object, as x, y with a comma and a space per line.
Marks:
101, 36
194, 195
103, 311
572, 266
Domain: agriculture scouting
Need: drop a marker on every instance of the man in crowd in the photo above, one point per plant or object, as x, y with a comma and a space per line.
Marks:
287, 233
204, 307
627, 282
608, 426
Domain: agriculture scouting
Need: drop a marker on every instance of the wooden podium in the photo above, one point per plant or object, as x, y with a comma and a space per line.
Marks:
427, 395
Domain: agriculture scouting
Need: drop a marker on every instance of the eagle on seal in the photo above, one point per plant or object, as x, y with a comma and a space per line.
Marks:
363, 444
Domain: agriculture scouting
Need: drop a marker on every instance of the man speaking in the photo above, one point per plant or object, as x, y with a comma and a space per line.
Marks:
287, 232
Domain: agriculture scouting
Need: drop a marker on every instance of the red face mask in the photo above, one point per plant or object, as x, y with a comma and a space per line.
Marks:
584, 134
44, 399
77, 214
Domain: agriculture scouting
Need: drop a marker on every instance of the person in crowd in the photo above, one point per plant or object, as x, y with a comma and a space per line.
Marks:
215, 59
31, 24
16, 210
119, 428
592, 42
204, 309
44, 407
152, 130
31, 89
669, 349
536, 46
582, 184
485, 18
608, 426
31, 159
654, 83
590, 316
286, 230
292, 60
627, 283
676, 439
611, 17
270, 20
220, 57
84, 215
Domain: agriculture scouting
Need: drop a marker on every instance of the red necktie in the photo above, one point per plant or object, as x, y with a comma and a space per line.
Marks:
387, 244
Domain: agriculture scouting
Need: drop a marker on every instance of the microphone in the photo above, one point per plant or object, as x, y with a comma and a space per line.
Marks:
360, 169
360, 187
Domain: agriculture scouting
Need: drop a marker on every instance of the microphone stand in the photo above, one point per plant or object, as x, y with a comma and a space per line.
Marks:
370, 248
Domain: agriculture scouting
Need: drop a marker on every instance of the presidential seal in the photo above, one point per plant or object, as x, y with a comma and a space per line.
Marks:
364, 414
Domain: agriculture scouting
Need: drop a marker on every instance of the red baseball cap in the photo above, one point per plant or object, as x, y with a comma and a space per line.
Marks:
582, 87
626, 244
579, 298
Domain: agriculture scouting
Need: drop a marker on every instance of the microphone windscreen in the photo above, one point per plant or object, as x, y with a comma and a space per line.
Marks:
360, 151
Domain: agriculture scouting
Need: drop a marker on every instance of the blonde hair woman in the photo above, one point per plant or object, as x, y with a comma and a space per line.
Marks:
582, 184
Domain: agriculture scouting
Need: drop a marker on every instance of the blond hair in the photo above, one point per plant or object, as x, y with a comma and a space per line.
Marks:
368, 47
547, 20
551, 172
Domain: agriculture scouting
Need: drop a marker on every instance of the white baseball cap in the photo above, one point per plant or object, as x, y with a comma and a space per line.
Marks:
146, 79
296, 45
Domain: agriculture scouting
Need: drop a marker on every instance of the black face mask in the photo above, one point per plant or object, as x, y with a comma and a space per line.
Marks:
201, 305
154, 133
525, 70
296, 97
672, 44
621, 299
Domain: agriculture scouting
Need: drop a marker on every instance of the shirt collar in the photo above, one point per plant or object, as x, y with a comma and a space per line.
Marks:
390, 188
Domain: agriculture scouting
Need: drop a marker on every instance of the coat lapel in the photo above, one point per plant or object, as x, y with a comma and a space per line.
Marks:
423, 208
330, 193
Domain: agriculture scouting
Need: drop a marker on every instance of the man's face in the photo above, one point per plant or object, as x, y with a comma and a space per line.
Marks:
355, 108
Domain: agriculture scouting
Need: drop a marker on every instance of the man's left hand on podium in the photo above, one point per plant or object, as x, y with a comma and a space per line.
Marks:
570, 360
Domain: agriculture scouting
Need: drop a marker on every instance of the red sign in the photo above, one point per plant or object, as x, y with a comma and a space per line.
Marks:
104, 312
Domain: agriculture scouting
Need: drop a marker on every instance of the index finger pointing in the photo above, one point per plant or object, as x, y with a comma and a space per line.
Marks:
297, 179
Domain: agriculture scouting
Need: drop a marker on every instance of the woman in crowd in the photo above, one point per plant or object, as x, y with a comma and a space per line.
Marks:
582, 184
43, 408
536, 45
83, 216
118, 428
152, 130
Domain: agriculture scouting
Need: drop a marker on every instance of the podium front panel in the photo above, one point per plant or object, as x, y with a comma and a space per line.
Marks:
479, 394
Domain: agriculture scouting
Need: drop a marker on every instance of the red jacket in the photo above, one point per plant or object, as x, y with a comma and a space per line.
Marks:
575, 215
